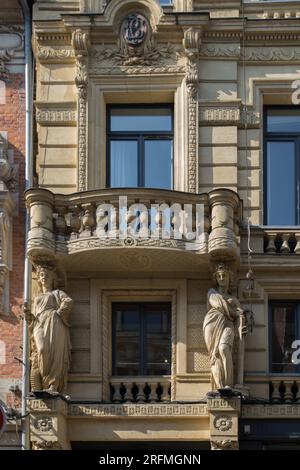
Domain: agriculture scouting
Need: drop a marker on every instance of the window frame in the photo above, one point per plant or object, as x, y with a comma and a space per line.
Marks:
270, 323
140, 137
142, 336
280, 137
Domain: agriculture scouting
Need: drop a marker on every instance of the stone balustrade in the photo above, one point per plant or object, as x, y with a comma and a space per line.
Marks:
285, 390
282, 241
140, 390
67, 224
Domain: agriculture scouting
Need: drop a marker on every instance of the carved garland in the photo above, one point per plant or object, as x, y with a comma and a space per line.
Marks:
191, 43
80, 43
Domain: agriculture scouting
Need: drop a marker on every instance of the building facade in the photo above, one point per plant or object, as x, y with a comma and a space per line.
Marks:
12, 213
164, 211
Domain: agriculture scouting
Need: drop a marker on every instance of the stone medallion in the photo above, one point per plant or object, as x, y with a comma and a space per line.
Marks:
134, 29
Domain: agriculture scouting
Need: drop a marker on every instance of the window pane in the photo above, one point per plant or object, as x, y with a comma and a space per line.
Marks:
158, 334
123, 163
283, 335
140, 119
281, 197
158, 164
283, 120
126, 323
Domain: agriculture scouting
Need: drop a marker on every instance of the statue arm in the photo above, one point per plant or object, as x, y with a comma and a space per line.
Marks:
65, 307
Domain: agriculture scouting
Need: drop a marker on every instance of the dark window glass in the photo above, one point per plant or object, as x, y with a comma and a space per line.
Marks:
158, 163
140, 147
281, 201
282, 166
140, 119
284, 326
283, 120
141, 338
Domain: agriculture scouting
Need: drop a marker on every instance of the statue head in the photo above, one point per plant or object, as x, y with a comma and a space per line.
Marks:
46, 276
223, 277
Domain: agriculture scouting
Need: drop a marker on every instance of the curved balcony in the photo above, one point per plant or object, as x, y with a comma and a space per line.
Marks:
120, 229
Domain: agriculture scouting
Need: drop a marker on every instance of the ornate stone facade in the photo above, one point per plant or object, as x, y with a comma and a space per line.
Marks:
217, 72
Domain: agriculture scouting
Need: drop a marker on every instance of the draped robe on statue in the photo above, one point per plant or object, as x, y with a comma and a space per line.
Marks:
219, 327
51, 339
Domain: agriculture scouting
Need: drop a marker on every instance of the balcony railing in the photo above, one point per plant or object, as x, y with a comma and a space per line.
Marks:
282, 241
154, 219
140, 390
285, 390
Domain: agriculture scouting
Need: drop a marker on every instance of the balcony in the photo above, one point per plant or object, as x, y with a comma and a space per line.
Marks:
121, 229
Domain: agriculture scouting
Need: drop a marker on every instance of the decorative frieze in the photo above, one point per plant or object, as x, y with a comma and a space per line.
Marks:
271, 411
231, 51
56, 114
55, 55
95, 411
225, 114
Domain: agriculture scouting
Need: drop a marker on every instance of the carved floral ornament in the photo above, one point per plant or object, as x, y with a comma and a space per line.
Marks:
223, 423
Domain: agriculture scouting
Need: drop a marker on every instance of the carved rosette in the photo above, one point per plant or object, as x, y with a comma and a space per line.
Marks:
80, 43
191, 44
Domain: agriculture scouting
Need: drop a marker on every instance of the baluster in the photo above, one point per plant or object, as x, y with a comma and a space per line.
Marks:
285, 243
297, 247
117, 397
60, 224
75, 222
276, 395
271, 248
140, 397
87, 220
288, 394
153, 394
165, 391
176, 221
128, 394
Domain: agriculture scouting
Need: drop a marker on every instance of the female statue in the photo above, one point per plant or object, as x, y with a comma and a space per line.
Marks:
50, 337
224, 328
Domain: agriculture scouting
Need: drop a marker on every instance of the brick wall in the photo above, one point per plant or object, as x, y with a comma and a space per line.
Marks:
12, 121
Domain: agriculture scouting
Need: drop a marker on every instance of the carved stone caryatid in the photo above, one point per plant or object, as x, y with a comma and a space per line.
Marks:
224, 329
191, 44
80, 43
49, 332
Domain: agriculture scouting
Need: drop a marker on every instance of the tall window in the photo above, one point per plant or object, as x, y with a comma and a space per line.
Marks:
282, 166
140, 147
141, 338
285, 328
